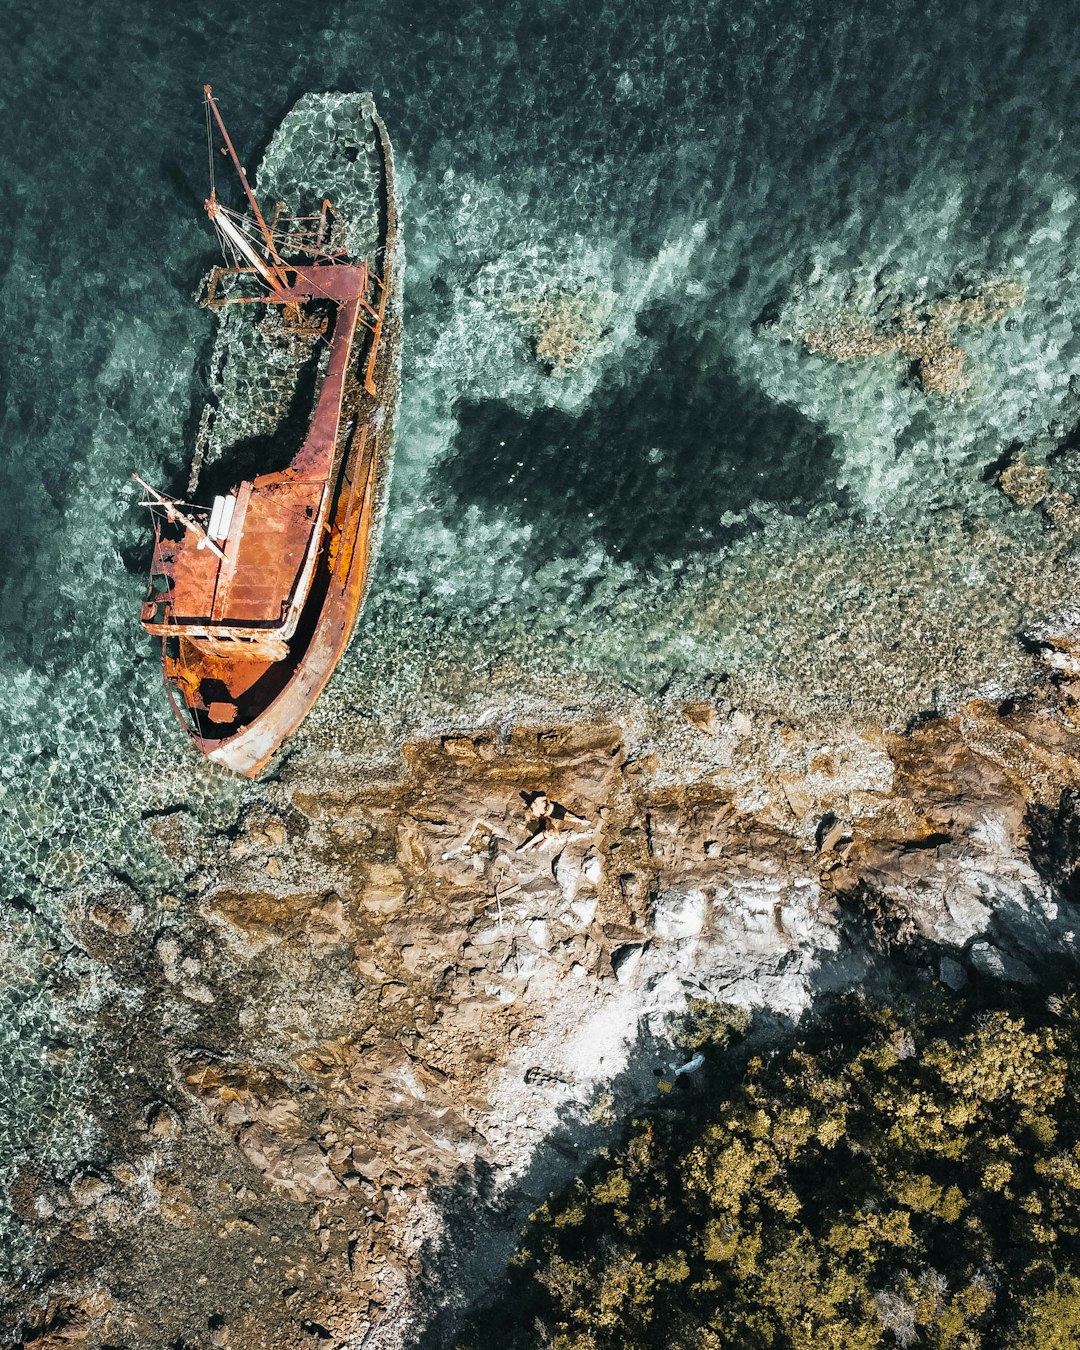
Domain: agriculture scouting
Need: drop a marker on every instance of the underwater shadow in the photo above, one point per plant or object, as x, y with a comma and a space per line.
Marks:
271, 451
675, 456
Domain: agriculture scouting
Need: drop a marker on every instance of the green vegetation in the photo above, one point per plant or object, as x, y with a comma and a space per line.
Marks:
905, 1177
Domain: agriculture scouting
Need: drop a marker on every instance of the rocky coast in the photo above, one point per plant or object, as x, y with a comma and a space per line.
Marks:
713, 656
377, 1022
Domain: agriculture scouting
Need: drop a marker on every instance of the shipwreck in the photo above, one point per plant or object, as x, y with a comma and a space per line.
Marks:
255, 595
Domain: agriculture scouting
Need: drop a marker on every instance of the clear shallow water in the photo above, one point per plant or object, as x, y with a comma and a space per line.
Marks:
700, 496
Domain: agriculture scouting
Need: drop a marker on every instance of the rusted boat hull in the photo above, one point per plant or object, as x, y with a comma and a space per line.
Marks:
239, 701
249, 750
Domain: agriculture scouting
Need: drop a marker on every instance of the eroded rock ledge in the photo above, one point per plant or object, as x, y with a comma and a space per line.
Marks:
380, 1019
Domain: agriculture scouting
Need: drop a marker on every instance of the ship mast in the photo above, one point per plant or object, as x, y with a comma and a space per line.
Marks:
272, 272
174, 513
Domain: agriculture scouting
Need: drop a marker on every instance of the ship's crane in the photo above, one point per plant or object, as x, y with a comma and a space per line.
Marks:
272, 267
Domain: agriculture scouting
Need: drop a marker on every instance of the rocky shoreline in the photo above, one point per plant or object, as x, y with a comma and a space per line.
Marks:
376, 1024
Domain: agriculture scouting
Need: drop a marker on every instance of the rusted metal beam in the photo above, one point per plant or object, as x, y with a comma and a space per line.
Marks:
267, 235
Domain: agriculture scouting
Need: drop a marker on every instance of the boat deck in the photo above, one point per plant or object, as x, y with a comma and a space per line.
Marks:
265, 550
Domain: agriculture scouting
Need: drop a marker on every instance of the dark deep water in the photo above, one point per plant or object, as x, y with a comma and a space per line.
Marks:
694, 497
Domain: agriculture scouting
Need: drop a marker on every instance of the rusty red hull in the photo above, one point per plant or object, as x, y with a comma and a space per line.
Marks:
255, 618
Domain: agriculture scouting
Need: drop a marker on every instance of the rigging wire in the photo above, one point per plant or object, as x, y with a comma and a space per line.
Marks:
209, 146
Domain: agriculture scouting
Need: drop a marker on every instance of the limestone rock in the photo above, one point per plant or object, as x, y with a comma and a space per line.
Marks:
990, 960
677, 915
1056, 642
263, 916
385, 890
702, 715
300, 1168
162, 1121
625, 961
116, 918
265, 1120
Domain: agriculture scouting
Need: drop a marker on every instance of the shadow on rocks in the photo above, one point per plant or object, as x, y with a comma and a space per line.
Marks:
1025, 950
466, 1268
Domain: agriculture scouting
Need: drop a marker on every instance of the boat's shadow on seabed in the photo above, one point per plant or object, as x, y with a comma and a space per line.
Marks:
654, 463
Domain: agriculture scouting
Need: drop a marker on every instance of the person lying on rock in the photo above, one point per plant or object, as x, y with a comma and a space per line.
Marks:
550, 818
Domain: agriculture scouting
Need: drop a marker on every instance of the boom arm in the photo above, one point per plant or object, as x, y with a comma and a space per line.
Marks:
213, 209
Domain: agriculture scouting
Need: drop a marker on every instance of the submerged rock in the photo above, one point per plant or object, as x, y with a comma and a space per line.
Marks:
567, 327
923, 335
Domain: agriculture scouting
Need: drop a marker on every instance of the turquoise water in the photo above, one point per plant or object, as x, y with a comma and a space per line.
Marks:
699, 496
